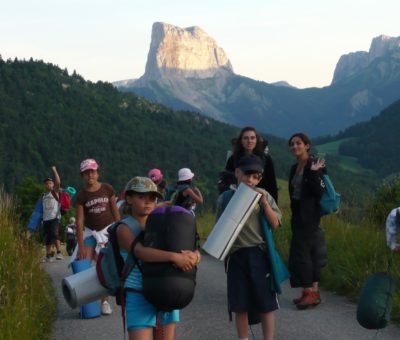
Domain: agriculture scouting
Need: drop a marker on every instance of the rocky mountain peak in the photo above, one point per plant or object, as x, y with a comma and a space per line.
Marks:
355, 62
383, 45
185, 52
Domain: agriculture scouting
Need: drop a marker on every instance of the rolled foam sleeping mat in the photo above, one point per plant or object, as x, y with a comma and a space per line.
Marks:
83, 289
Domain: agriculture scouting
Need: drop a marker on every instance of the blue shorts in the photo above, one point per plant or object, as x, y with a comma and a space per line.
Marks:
249, 282
90, 241
141, 314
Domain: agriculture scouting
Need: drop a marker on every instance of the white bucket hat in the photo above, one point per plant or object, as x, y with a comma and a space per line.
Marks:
185, 174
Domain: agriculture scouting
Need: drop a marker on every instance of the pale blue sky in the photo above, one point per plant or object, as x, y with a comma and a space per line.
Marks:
297, 41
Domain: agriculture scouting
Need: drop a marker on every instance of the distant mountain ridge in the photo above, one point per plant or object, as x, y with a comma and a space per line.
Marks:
187, 70
356, 62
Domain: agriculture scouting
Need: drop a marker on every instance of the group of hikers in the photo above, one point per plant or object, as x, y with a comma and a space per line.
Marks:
248, 266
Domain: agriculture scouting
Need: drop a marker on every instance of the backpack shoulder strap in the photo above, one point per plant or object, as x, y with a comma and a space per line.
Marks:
226, 197
132, 224
56, 197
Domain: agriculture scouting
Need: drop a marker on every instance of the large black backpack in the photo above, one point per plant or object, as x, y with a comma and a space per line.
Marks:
164, 285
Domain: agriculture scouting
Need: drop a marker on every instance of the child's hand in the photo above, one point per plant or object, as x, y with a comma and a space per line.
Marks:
194, 256
184, 260
263, 199
81, 253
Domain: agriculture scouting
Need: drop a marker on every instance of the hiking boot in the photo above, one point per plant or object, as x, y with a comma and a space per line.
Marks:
297, 300
309, 299
106, 308
317, 296
59, 256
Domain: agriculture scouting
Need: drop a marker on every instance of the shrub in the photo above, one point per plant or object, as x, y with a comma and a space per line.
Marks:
386, 198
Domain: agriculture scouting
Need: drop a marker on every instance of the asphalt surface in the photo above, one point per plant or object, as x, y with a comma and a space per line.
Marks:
206, 318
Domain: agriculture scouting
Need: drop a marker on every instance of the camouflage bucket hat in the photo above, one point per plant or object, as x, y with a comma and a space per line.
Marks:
142, 185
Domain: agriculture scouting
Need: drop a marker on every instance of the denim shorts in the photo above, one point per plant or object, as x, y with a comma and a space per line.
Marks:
141, 314
249, 282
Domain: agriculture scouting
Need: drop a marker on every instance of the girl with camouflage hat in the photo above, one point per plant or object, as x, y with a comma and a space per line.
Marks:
142, 318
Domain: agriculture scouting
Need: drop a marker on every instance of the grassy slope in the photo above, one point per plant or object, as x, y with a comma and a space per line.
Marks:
346, 163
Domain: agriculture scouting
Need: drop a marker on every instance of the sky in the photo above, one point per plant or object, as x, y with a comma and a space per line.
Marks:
298, 41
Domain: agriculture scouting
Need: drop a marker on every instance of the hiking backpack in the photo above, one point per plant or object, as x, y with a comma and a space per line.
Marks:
170, 192
180, 200
330, 200
165, 286
64, 200
111, 268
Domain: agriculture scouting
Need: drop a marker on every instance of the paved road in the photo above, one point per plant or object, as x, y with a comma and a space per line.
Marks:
206, 317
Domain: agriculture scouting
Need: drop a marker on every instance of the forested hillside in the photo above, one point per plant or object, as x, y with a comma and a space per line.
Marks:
375, 143
50, 117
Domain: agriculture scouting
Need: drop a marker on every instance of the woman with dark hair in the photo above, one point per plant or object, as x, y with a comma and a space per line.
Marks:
250, 142
307, 249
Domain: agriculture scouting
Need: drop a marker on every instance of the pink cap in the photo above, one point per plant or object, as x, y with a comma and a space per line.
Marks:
89, 164
155, 175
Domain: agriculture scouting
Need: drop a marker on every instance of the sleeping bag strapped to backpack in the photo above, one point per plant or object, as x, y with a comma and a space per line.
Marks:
165, 286
375, 303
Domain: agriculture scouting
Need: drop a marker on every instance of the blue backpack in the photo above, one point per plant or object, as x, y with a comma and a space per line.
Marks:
111, 268
330, 200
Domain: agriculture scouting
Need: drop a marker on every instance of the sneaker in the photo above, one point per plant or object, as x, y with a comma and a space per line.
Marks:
49, 259
106, 308
59, 256
309, 299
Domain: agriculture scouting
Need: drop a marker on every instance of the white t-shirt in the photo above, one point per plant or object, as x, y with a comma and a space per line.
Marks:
51, 207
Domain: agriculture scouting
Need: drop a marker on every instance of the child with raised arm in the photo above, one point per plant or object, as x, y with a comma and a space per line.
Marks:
248, 267
140, 200
51, 214
96, 210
